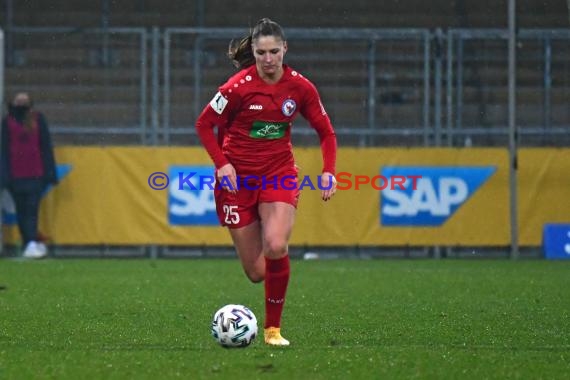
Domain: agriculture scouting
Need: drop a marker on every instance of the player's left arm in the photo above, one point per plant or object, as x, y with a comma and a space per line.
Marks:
313, 110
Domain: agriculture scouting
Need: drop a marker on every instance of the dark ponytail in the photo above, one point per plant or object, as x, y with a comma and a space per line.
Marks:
241, 54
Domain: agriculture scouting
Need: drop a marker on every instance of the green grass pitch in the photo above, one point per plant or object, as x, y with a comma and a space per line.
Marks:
346, 319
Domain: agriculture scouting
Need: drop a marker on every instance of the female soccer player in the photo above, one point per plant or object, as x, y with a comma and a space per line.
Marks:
257, 193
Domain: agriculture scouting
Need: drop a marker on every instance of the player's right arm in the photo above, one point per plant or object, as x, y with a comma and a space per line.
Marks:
218, 113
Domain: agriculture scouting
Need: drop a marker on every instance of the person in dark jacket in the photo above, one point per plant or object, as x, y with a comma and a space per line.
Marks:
27, 167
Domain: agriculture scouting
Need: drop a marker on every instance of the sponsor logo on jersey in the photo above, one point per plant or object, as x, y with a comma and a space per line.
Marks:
191, 204
268, 129
439, 193
256, 107
288, 107
218, 103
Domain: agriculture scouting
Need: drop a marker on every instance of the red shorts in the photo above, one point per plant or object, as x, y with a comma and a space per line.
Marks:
240, 209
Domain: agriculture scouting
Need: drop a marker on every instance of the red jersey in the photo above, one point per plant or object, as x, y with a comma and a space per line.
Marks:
254, 121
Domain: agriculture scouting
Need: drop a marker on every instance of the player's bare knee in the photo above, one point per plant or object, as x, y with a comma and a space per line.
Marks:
276, 248
254, 276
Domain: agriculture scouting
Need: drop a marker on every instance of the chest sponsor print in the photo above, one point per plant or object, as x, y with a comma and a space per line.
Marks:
268, 129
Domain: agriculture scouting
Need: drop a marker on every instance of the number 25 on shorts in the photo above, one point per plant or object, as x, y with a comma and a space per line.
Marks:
232, 216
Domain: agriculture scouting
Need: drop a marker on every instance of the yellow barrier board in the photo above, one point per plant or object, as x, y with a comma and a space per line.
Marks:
544, 192
354, 216
386, 197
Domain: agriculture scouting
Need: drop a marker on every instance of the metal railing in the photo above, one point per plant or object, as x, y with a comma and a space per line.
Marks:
88, 81
2, 65
206, 47
466, 49
380, 86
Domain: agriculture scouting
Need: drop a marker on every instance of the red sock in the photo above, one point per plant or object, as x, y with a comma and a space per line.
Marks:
276, 280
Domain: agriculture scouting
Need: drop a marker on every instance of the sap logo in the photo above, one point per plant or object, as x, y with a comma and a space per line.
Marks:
193, 205
436, 196
8, 207
256, 107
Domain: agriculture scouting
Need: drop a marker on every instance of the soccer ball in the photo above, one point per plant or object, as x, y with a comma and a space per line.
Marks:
234, 326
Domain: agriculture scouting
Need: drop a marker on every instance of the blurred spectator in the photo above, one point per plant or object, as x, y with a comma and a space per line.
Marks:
27, 168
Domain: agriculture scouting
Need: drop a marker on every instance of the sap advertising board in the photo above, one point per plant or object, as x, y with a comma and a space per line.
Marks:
191, 206
438, 194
